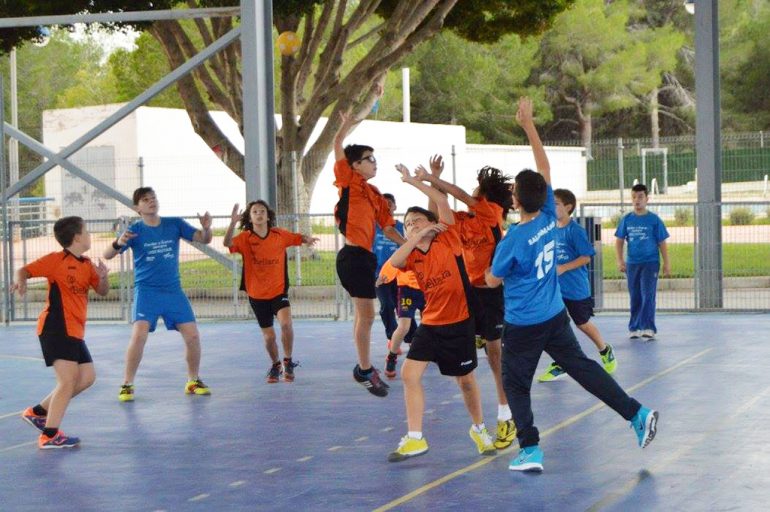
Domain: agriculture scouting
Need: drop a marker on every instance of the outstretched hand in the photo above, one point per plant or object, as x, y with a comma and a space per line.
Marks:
309, 240
524, 115
236, 214
406, 177
436, 165
20, 287
205, 220
432, 229
101, 269
421, 173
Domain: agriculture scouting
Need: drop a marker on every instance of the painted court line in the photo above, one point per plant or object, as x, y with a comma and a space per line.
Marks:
9, 448
21, 358
11, 415
199, 497
624, 489
334, 448
305, 458
362, 439
483, 462
271, 471
237, 483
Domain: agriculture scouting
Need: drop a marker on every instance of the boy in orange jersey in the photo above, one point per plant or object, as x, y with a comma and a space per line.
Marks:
481, 228
360, 207
434, 253
265, 277
409, 299
61, 325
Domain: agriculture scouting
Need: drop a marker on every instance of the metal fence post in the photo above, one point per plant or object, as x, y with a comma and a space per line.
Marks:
621, 175
297, 249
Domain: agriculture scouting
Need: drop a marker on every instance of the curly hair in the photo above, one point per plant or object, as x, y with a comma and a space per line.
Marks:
246, 217
495, 187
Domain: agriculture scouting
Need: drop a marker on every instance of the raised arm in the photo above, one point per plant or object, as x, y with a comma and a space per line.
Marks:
114, 249
445, 214
398, 258
444, 186
526, 120
103, 288
205, 234
346, 120
235, 216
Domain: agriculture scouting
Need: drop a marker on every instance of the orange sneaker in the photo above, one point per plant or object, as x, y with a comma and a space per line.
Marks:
33, 419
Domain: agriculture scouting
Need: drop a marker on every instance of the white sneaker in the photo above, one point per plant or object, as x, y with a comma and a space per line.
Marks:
648, 334
634, 335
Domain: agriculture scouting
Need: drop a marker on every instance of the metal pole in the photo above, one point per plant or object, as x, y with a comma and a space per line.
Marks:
13, 144
258, 103
621, 174
117, 17
406, 95
297, 249
141, 171
7, 241
708, 150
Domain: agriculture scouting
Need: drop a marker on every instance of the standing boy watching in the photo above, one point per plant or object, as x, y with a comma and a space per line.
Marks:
573, 254
154, 241
387, 291
535, 316
61, 325
360, 207
646, 235
445, 335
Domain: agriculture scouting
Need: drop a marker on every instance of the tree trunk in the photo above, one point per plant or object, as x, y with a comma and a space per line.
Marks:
654, 118
586, 133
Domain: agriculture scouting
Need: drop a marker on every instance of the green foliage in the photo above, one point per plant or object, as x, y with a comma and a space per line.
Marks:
683, 216
741, 216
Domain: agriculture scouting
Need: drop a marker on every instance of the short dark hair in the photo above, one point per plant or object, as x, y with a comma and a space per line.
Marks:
531, 190
140, 193
428, 214
65, 229
246, 218
355, 152
389, 197
640, 187
567, 198
495, 187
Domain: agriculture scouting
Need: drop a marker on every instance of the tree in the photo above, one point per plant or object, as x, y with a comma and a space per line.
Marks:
323, 78
596, 64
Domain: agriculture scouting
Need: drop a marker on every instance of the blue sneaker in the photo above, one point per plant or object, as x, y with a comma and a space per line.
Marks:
371, 381
528, 459
645, 424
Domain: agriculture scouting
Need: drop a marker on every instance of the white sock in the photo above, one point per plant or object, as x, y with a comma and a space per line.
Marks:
478, 428
414, 435
504, 413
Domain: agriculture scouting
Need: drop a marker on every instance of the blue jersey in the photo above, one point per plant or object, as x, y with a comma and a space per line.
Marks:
383, 246
572, 243
156, 251
526, 261
644, 233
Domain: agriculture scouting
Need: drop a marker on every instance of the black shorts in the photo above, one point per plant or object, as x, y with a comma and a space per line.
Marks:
409, 301
451, 347
266, 309
356, 267
580, 311
489, 312
61, 346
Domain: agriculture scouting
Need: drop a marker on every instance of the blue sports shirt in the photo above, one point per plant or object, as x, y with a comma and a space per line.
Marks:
156, 251
526, 261
572, 243
383, 246
644, 233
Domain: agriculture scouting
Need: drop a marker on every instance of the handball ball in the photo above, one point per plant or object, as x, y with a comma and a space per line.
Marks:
288, 43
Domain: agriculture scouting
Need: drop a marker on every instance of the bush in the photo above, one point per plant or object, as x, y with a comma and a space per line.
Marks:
683, 216
614, 220
741, 216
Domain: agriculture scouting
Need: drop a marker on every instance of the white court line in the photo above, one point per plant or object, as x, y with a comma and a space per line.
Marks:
362, 439
305, 458
430, 411
334, 448
11, 415
199, 497
271, 471
21, 358
386, 429
9, 448
237, 483
446, 402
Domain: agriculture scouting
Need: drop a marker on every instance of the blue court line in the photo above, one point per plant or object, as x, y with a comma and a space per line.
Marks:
569, 421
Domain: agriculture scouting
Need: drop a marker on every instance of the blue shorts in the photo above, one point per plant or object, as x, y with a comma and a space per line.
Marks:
409, 301
172, 305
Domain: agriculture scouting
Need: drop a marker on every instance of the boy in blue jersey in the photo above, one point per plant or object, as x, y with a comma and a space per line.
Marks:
646, 235
154, 241
387, 292
573, 254
535, 316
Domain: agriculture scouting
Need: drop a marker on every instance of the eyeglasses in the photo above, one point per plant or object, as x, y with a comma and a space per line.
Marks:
370, 158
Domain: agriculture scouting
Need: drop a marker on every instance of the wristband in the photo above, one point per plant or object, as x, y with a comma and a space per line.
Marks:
116, 246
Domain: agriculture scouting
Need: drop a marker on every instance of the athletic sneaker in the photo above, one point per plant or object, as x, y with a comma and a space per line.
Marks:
390, 365
398, 352
553, 372
288, 370
483, 441
635, 335
506, 433
58, 441
528, 459
608, 360
645, 424
274, 373
126, 393
648, 334
196, 387
480, 342
33, 419
408, 447
371, 382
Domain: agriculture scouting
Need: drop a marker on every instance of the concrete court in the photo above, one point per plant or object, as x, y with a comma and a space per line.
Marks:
321, 443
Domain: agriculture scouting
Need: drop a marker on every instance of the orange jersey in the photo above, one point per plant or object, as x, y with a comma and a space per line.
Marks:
265, 271
360, 206
69, 278
389, 273
480, 231
441, 274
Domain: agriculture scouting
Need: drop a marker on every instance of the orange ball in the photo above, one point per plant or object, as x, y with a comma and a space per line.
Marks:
288, 43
